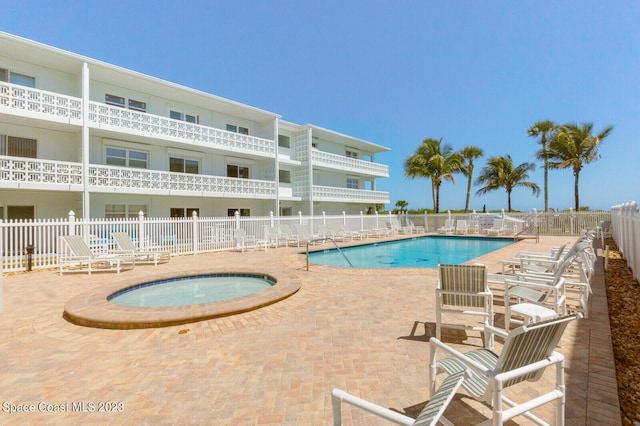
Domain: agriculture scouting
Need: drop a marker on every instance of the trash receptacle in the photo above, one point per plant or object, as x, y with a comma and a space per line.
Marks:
29, 252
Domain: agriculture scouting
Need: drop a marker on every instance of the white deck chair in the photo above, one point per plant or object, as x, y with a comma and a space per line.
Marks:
462, 227
76, 256
127, 247
497, 228
244, 241
430, 415
288, 236
527, 352
463, 289
448, 228
474, 226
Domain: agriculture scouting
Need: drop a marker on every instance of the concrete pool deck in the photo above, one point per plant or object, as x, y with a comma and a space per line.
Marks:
365, 331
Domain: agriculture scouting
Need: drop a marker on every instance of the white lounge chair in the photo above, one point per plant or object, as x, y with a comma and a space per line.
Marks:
244, 241
463, 290
497, 228
430, 415
462, 227
128, 248
527, 352
448, 228
76, 256
474, 226
288, 236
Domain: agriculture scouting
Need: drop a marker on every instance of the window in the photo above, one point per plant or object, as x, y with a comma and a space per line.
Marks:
285, 176
18, 147
243, 212
184, 212
123, 210
234, 171
17, 78
237, 129
22, 79
284, 141
21, 212
351, 154
137, 105
177, 115
126, 157
114, 100
352, 183
182, 165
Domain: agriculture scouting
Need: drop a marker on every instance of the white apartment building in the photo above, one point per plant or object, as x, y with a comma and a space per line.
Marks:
83, 135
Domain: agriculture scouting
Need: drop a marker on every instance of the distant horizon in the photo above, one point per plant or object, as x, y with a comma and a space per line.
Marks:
392, 74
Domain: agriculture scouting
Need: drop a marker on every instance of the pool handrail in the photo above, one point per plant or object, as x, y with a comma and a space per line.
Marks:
334, 243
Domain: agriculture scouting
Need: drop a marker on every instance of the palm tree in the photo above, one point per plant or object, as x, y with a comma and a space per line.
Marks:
500, 173
401, 205
546, 130
468, 154
435, 161
574, 146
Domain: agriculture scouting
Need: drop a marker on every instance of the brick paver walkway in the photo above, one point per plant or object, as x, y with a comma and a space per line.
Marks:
365, 331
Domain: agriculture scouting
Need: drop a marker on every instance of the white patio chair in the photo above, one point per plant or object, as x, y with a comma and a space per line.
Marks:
463, 289
76, 256
527, 352
462, 227
430, 415
244, 241
497, 228
448, 228
127, 247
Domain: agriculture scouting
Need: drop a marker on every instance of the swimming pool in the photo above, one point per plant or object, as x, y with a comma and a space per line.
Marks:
191, 290
419, 252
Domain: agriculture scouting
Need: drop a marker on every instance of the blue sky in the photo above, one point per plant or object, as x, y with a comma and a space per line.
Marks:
393, 73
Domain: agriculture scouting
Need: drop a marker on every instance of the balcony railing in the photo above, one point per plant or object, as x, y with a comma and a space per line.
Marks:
330, 193
102, 115
159, 182
21, 172
340, 162
52, 105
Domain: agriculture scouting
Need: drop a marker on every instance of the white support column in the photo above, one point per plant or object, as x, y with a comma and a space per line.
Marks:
86, 212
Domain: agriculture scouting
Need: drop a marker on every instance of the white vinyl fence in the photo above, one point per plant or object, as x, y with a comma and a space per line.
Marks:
625, 227
35, 244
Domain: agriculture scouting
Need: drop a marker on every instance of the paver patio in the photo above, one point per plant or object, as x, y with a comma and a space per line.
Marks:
365, 331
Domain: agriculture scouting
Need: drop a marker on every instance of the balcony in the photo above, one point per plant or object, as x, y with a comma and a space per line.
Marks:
34, 103
331, 193
346, 164
130, 121
32, 173
143, 181
40, 104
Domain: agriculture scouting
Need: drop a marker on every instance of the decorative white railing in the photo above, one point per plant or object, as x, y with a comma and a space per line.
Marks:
101, 115
331, 193
115, 178
31, 100
340, 162
18, 170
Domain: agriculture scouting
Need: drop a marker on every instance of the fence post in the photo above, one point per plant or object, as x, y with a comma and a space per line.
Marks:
195, 228
426, 222
344, 218
237, 217
361, 221
271, 220
140, 233
72, 221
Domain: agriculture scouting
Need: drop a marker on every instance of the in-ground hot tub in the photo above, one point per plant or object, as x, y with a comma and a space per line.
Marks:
195, 300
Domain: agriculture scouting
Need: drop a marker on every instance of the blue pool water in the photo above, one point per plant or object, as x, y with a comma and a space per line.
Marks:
421, 252
192, 290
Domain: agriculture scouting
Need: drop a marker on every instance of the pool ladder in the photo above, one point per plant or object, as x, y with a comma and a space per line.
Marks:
334, 243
